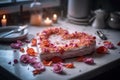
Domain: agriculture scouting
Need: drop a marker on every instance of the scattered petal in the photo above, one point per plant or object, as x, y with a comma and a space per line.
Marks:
89, 60
35, 72
69, 65
22, 50
31, 52
57, 68
108, 44
33, 60
39, 66
25, 58
15, 45
20, 42
15, 61
34, 42
118, 43
102, 50
47, 63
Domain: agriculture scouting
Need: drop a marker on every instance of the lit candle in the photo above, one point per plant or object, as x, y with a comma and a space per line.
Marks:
54, 18
47, 22
4, 21
36, 20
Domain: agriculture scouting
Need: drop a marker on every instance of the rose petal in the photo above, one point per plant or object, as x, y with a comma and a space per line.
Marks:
39, 66
25, 58
20, 42
15, 61
47, 63
31, 52
35, 72
102, 50
22, 50
108, 44
69, 65
15, 45
33, 60
57, 68
34, 42
89, 60
118, 43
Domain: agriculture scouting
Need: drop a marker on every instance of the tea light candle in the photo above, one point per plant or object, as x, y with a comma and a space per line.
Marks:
54, 18
4, 21
36, 20
47, 22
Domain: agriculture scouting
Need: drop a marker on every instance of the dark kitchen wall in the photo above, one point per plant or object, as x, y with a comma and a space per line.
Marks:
108, 5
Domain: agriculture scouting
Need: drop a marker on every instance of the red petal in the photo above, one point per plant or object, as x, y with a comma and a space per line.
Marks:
15, 61
118, 43
35, 72
34, 42
69, 65
31, 52
102, 50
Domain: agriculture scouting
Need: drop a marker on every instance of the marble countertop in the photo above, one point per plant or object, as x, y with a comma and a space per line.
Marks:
81, 71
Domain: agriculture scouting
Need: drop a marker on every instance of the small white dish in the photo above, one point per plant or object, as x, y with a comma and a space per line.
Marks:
14, 36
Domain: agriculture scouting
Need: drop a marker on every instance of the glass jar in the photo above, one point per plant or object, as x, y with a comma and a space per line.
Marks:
36, 13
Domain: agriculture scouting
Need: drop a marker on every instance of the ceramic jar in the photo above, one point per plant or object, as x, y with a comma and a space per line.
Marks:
114, 20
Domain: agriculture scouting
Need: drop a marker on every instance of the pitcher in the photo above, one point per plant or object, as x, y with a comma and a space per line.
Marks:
100, 17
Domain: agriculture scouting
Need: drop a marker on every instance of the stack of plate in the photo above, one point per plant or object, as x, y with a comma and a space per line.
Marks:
14, 36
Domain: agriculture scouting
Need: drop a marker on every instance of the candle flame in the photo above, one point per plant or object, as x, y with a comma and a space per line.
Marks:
55, 15
47, 18
4, 16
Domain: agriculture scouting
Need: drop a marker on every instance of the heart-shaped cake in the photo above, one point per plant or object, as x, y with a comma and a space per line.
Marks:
58, 42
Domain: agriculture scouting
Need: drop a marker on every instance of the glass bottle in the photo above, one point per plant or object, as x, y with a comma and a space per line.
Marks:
36, 13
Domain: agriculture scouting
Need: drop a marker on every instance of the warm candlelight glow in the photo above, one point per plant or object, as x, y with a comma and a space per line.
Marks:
47, 22
4, 20
36, 20
4, 16
54, 18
